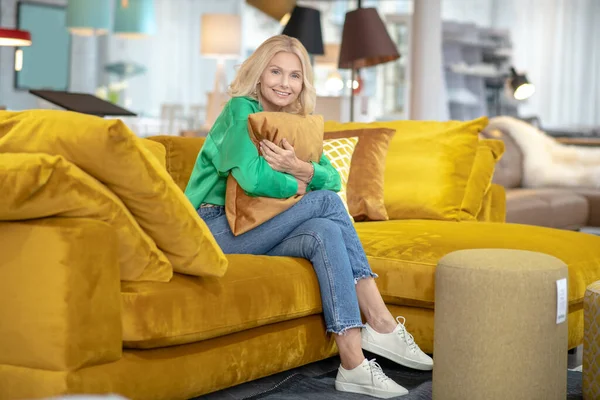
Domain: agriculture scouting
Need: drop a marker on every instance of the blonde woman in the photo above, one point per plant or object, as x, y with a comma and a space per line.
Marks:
278, 77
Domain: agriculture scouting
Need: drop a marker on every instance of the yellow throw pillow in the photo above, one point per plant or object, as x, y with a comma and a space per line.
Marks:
427, 167
489, 151
339, 152
111, 153
305, 133
44, 186
181, 155
157, 150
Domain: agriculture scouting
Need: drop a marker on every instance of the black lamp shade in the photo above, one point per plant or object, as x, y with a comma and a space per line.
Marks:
365, 41
305, 25
520, 85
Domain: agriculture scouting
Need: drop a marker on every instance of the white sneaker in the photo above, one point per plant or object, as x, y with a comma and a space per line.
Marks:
398, 346
368, 378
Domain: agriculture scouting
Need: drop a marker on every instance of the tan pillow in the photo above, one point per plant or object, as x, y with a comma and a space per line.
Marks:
43, 186
304, 133
365, 184
111, 153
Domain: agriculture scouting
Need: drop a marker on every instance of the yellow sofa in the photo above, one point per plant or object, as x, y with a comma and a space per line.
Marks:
70, 325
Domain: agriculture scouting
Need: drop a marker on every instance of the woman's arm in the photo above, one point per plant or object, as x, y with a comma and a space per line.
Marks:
325, 177
238, 155
322, 175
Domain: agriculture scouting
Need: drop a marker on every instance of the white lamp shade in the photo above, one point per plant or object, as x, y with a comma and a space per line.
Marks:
220, 35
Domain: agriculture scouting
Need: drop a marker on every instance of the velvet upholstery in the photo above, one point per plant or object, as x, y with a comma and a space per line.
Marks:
182, 372
60, 293
427, 167
257, 290
304, 133
480, 180
158, 151
59, 296
493, 206
180, 156
365, 183
49, 186
111, 153
404, 253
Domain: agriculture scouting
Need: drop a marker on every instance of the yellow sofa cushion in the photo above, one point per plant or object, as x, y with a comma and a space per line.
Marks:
43, 186
158, 151
181, 155
257, 290
110, 152
488, 153
493, 208
405, 253
427, 167
59, 298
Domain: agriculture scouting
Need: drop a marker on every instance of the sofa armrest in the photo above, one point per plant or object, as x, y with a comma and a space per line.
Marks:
493, 208
60, 302
593, 198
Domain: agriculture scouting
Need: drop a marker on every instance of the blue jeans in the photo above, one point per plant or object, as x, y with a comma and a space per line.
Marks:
318, 229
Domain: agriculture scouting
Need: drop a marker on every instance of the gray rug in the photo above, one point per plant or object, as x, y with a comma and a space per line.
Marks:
316, 382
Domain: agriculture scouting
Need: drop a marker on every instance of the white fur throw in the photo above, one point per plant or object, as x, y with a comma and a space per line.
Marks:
548, 163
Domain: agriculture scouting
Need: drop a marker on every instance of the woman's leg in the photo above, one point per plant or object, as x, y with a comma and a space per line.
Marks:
320, 241
373, 307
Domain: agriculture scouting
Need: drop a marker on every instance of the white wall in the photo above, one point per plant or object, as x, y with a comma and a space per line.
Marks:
479, 12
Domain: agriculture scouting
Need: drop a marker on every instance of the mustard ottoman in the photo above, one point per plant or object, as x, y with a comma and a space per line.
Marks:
591, 342
500, 326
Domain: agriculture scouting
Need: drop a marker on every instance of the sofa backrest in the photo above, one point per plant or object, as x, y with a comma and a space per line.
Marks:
509, 170
181, 154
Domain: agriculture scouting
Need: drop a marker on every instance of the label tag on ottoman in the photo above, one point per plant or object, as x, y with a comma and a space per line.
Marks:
561, 300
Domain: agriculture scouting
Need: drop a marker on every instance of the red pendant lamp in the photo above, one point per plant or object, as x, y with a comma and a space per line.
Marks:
14, 37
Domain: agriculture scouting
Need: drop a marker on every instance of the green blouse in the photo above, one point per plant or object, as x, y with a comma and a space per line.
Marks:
228, 148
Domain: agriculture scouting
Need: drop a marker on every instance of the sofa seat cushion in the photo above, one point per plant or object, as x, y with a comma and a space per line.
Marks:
593, 197
257, 290
405, 253
554, 208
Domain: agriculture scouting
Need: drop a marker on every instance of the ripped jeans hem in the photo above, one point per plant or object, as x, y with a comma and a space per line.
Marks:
366, 274
342, 331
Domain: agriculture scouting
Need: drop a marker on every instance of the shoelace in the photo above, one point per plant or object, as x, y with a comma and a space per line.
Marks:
377, 372
408, 338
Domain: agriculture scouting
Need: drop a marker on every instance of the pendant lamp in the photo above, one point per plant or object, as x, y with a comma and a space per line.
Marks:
14, 37
134, 19
88, 17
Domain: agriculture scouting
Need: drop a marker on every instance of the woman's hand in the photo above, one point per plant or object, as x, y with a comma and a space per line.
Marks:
282, 159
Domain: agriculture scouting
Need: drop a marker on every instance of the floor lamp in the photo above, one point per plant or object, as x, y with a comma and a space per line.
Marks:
365, 42
221, 39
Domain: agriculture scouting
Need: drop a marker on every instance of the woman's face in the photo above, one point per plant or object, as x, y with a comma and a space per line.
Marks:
281, 82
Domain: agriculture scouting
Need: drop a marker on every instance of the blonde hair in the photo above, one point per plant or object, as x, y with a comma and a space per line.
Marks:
246, 80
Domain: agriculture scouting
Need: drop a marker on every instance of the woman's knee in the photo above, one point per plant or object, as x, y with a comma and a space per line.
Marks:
327, 197
323, 229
